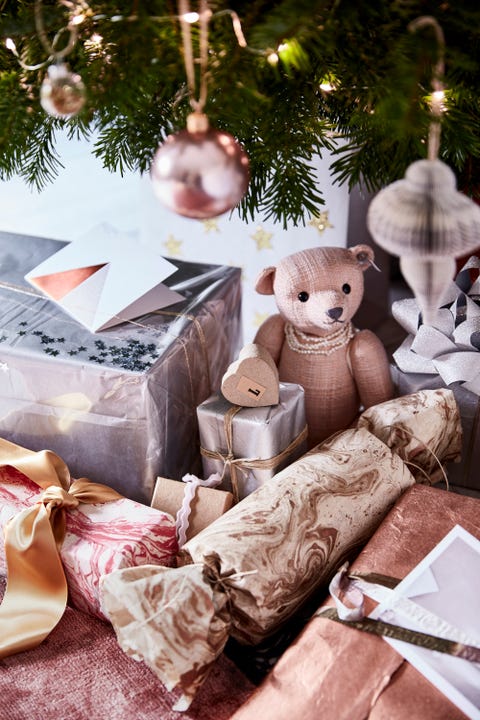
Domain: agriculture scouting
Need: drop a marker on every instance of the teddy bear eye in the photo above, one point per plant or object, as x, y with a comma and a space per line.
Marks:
303, 296
346, 288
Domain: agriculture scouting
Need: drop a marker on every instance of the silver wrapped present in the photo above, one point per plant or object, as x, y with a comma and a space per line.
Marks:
247, 446
446, 354
120, 405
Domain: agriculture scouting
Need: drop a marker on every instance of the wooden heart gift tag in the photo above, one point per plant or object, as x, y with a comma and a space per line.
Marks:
252, 380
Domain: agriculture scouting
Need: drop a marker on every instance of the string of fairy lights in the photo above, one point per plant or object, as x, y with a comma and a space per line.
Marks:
201, 172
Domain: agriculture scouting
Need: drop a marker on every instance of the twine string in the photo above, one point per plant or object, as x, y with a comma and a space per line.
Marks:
437, 85
198, 105
53, 53
419, 440
241, 464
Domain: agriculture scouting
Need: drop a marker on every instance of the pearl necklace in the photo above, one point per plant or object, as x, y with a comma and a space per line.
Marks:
311, 345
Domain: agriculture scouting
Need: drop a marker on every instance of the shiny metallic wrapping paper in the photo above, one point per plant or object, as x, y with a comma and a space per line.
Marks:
253, 567
119, 405
335, 672
257, 433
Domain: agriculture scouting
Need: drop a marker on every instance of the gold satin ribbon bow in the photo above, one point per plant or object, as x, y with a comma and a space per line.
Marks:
234, 464
37, 592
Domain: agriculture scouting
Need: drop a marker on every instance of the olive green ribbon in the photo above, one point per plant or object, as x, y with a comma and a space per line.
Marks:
396, 632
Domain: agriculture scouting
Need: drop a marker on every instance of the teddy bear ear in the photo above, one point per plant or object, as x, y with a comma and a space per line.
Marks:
264, 282
364, 254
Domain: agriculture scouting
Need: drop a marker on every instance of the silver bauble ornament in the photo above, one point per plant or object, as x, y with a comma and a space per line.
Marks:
62, 93
200, 172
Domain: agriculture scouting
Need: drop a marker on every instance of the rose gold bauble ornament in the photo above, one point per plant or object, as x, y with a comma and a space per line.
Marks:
200, 172
62, 93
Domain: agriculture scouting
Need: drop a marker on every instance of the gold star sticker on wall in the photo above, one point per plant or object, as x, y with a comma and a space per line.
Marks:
173, 246
259, 318
320, 222
210, 225
262, 239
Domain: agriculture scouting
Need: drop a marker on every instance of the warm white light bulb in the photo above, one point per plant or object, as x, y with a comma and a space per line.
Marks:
438, 101
326, 86
10, 45
191, 17
272, 58
78, 19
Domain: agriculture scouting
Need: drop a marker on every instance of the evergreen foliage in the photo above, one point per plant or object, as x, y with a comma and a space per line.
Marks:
376, 119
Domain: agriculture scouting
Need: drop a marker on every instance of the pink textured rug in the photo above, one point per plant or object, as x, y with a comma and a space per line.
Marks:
79, 672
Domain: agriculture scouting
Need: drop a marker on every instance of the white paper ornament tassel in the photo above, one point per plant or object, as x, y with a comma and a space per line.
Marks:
429, 279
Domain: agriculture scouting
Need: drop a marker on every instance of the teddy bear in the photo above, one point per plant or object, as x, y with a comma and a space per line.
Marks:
313, 342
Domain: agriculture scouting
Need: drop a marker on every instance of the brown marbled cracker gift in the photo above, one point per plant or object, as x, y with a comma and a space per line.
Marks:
249, 571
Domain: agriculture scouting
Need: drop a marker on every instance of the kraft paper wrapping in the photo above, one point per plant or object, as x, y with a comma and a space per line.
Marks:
257, 433
253, 567
339, 673
120, 404
99, 537
207, 504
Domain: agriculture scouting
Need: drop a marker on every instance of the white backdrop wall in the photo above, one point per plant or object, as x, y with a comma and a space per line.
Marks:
85, 195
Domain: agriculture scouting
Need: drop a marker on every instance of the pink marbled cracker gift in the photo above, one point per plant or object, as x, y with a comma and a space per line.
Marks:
100, 538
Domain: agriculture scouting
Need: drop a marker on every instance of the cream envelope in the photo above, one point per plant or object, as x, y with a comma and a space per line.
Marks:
105, 278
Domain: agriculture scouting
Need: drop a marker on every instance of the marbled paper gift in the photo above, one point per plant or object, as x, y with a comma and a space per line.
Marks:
249, 571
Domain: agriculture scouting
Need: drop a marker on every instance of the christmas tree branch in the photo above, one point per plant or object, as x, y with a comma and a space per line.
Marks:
269, 94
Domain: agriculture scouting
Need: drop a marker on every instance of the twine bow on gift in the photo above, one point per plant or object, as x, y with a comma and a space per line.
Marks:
233, 465
37, 591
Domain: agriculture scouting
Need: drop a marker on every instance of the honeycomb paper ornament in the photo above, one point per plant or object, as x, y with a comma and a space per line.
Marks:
427, 222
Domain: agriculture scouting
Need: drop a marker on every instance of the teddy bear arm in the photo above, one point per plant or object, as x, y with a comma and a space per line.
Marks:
370, 369
270, 335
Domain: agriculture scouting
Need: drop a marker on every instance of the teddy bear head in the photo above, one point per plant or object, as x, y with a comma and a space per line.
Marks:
319, 289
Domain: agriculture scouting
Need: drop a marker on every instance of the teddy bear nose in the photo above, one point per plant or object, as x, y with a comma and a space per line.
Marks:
335, 312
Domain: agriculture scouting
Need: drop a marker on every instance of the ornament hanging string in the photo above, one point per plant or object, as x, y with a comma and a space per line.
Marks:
204, 18
54, 54
437, 85
199, 172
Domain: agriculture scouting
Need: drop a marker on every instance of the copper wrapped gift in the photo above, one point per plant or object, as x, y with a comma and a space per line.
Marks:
249, 571
335, 672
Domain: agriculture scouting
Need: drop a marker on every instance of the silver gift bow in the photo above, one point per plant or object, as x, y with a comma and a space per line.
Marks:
450, 347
